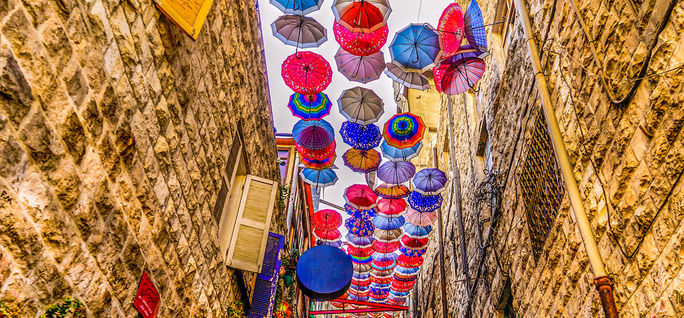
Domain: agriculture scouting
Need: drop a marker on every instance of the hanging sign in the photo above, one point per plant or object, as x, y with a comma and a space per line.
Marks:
147, 300
189, 15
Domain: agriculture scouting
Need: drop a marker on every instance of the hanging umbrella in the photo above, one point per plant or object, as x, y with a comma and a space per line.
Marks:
360, 105
414, 242
474, 27
361, 16
385, 247
451, 27
382, 280
416, 231
408, 261
313, 134
396, 172
362, 137
418, 218
362, 69
454, 77
309, 107
319, 164
361, 252
359, 226
359, 241
392, 191
299, 31
328, 235
319, 178
430, 181
425, 202
388, 223
412, 251
360, 196
361, 267
301, 7
360, 43
385, 258
363, 161
354, 212
400, 154
387, 235
318, 154
406, 270
411, 80
391, 207
326, 219
360, 260
335, 243
404, 130
416, 47
306, 73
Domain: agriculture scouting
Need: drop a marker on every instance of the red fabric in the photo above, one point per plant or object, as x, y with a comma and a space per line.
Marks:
362, 16
414, 242
320, 154
451, 28
409, 261
383, 247
306, 73
360, 43
360, 196
329, 235
391, 206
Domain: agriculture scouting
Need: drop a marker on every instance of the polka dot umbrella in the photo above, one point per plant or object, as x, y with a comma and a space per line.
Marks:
363, 161
424, 202
359, 226
360, 43
474, 27
313, 134
306, 73
409, 261
450, 25
362, 137
309, 107
404, 130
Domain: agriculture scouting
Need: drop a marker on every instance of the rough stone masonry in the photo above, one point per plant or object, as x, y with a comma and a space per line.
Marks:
114, 126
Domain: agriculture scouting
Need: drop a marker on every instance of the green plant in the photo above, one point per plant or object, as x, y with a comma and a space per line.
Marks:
4, 311
282, 199
235, 310
68, 308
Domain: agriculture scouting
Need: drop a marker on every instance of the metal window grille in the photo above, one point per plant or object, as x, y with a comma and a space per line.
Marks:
542, 186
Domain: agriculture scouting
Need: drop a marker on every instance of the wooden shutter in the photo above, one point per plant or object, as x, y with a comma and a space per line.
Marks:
248, 242
265, 286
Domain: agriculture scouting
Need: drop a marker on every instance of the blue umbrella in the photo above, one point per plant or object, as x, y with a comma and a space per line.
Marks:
424, 202
416, 231
474, 27
313, 134
416, 47
360, 226
429, 181
400, 154
388, 223
363, 137
406, 270
412, 252
319, 178
399, 293
301, 7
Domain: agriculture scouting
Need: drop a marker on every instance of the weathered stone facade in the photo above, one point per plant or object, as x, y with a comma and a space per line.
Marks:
628, 160
114, 128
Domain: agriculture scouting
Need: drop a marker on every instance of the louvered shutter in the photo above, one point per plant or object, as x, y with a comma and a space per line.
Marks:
248, 242
266, 283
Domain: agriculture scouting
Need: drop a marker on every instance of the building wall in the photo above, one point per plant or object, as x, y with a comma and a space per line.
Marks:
628, 160
114, 128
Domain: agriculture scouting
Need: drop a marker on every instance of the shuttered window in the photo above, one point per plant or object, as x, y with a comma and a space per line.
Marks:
234, 175
266, 283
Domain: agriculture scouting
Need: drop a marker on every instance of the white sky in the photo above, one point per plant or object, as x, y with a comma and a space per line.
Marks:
403, 13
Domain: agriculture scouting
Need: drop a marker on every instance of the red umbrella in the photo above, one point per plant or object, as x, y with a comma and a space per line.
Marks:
409, 261
306, 73
326, 219
391, 206
451, 27
360, 196
320, 154
328, 235
361, 16
383, 247
360, 252
381, 280
414, 242
454, 77
360, 44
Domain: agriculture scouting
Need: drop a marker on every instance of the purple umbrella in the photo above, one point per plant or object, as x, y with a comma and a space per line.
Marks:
396, 172
429, 181
384, 257
359, 241
362, 69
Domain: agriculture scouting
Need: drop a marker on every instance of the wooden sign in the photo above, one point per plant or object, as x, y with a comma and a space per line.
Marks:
189, 15
147, 300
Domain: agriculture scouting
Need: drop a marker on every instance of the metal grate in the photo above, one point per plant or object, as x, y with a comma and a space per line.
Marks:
542, 186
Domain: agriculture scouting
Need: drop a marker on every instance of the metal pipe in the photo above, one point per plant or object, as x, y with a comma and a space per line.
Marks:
440, 245
593, 253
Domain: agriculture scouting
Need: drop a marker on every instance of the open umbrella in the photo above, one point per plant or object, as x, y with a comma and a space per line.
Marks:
316, 154
319, 178
396, 172
415, 231
408, 261
406, 270
451, 26
424, 202
306, 72
411, 80
414, 242
360, 43
418, 218
385, 258
387, 235
319, 164
354, 212
474, 26
412, 251
309, 107
360, 251
361, 16
360, 196
386, 247
359, 241
429, 181
313, 134
416, 47
363, 137
326, 219
360, 105
301, 7
362, 69
363, 161
299, 31
359, 226
400, 154
334, 243
391, 206
392, 191
454, 77
404, 130
327, 235
388, 222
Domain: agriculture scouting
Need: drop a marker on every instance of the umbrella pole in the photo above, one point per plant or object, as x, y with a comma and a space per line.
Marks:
440, 245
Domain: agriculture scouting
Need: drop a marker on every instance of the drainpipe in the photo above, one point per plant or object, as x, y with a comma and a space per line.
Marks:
602, 282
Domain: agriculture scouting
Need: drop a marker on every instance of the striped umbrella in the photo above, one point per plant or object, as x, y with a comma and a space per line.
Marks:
309, 107
313, 134
319, 164
404, 130
455, 76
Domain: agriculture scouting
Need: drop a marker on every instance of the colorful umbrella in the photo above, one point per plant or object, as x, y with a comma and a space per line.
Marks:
360, 251
326, 219
309, 107
319, 154
408, 261
358, 43
454, 77
387, 235
382, 280
392, 191
306, 73
400, 154
384, 257
424, 202
396, 172
319, 178
414, 242
388, 223
328, 235
404, 130
335, 243
411, 80
474, 27
360, 105
313, 134
362, 69
361, 267
363, 137
319, 164
354, 212
359, 226
299, 31
406, 270
359, 241
391, 206
301, 7
451, 26
430, 181
416, 231
416, 47
363, 161
360, 196
418, 218
385, 247
361, 16
412, 251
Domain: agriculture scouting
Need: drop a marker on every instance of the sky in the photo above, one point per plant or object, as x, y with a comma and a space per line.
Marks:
403, 13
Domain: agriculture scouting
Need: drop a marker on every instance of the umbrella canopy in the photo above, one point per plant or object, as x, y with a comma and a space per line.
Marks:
408, 261
299, 31
451, 26
412, 251
335, 243
386, 247
359, 226
424, 202
430, 181
326, 219
354, 212
363, 137
388, 222
309, 107
361, 15
456, 76
361, 267
396, 172
301, 7
360, 196
414, 242
418, 218
319, 164
474, 27
387, 235
416, 47
362, 69
359, 241
318, 154
386, 258
391, 206
363, 161
411, 80
392, 191
360, 43
360, 105
406, 270
313, 134
416, 231
404, 130
306, 73
357, 251
319, 178
400, 154
328, 235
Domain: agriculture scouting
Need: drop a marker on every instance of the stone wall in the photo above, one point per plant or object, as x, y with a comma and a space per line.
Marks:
628, 159
114, 127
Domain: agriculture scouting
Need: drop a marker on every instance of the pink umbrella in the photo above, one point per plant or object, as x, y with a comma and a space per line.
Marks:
362, 69
418, 218
306, 73
454, 77
360, 196
360, 44
391, 206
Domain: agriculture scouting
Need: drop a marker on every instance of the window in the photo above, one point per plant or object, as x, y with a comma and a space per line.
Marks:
484, 149
542, 187
505, 13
